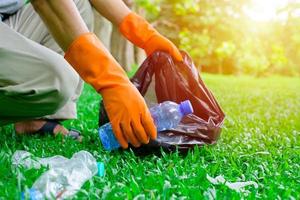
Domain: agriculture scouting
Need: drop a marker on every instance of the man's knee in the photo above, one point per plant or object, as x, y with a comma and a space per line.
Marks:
64, 82
41, 95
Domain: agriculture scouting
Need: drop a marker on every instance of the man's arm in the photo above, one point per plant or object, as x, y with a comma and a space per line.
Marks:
113, 10
130, 119
135, 28
62, 19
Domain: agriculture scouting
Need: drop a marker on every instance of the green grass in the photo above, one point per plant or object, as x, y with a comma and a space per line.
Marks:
260, 142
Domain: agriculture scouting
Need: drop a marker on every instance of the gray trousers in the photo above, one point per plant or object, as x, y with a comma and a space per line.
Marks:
35, 79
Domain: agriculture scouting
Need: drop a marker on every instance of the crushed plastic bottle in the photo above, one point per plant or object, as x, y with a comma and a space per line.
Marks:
28, 161
166, 116
65, 176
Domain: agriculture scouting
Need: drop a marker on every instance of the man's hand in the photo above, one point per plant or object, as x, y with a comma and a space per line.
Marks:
141, 33
130, 118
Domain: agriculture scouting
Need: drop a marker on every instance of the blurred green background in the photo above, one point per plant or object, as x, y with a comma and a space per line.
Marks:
253, 37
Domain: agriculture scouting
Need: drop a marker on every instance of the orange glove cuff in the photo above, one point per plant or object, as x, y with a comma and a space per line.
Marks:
93, 62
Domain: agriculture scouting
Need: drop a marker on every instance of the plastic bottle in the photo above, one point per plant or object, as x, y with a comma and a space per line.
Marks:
28, 161
166, 115
65, 176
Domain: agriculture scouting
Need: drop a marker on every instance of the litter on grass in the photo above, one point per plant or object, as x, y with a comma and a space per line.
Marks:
64, 177
28, 161
237, 186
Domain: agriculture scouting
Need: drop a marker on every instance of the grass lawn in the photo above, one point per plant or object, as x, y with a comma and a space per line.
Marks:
260, 142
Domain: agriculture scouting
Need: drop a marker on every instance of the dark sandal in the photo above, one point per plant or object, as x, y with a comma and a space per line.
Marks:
50, 125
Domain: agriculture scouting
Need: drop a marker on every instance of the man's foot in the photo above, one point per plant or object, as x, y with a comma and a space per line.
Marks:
35, 125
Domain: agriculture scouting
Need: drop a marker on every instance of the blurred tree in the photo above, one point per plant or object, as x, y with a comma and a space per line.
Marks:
221, 38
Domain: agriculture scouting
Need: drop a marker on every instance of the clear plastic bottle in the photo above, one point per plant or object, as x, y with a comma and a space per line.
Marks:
65, 176
166, 115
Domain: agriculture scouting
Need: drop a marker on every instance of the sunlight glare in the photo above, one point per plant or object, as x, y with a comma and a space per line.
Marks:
264, 10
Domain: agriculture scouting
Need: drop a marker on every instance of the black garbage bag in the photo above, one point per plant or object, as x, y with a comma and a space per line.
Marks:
161, 79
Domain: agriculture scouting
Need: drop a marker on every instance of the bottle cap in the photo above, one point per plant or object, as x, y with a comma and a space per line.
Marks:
186, 107
104, 139
101, 169
33, 194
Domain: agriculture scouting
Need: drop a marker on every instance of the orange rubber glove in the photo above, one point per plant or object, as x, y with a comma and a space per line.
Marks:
142, 34
128, 113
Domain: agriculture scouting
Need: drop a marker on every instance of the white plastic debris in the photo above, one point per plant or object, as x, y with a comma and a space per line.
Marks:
28, 161
210, 194
64, 177
237, 186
